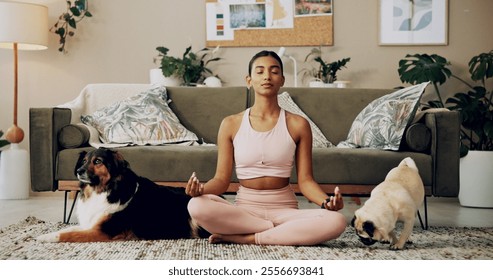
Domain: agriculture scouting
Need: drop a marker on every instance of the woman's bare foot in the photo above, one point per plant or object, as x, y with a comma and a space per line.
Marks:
232, 238
336, 202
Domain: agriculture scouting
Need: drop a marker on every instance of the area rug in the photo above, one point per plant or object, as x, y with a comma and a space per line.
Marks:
437, 243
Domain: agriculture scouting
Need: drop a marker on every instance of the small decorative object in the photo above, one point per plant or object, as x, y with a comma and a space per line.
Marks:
281, 53
192, 67
413, 22
326, 72
76, 12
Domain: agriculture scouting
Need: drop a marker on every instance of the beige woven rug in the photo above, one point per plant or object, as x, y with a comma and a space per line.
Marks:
438, 243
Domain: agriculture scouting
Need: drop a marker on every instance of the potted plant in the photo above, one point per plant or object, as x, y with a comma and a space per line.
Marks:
325, 72
68, 20
476, 111
191, 68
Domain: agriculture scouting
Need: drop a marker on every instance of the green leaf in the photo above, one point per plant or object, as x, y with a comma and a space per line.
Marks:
75, 11
72, 23
481, 66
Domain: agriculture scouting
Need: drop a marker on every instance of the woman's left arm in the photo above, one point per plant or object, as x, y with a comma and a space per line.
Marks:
300, 130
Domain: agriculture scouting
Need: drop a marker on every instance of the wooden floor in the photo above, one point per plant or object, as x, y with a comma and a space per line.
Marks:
441, 211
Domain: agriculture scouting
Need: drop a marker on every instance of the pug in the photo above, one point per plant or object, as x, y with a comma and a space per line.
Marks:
396, 199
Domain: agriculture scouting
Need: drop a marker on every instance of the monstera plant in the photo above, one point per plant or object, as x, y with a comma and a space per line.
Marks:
475, 105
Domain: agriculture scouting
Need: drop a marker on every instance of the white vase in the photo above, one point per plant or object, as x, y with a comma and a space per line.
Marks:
476, 179
157, 78
212, 82
14, 173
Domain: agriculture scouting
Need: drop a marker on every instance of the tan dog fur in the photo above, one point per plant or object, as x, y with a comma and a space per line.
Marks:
397, 198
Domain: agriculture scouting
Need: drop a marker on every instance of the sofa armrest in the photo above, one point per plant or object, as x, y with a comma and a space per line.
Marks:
445, 145
44, 126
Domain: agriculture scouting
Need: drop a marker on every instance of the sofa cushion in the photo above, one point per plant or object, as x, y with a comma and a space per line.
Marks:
142, 119
382, 123
287, 103
73, 136
417, 138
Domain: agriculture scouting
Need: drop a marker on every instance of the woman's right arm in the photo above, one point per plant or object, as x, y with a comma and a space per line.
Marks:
224, 168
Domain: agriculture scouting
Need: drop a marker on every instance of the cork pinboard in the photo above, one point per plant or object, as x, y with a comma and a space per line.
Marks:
306, 31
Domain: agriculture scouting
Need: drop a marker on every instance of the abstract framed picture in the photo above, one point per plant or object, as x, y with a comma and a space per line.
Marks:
413, 22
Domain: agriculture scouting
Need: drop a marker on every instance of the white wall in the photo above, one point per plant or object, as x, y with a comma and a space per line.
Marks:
118, 44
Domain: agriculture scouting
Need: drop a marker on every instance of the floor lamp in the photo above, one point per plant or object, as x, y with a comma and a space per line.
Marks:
23, 26
281, 53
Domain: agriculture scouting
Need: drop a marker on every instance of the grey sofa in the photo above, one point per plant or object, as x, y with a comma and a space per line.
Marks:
433, 142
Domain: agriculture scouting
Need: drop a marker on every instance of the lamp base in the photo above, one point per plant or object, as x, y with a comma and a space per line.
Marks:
14, 173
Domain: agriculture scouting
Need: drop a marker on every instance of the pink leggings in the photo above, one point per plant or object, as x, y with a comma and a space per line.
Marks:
272, 215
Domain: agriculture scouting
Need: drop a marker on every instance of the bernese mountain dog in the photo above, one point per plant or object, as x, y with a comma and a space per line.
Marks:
117, 204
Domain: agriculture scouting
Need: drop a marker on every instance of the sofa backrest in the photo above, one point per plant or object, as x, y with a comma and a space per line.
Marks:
202, 111
333, 110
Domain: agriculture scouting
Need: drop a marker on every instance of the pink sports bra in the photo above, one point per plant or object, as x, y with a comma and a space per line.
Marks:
259, 154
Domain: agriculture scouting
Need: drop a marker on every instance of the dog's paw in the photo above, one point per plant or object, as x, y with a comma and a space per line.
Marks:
49, 237
396, 247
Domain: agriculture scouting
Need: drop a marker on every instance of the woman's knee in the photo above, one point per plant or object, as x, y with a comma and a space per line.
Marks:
198, 207
339, 223
334, 223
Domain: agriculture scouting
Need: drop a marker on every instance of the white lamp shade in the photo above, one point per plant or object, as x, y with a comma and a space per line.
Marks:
25, 24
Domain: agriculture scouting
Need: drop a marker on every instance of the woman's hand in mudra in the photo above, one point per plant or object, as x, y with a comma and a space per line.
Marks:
335, 202
194, 187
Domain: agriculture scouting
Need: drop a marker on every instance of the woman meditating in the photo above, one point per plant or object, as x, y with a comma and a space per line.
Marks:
264, 142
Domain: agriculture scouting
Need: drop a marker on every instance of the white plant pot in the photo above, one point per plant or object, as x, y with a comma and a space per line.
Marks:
213, 82
342, 84
14, 173
320, 84
476, 179
157, 78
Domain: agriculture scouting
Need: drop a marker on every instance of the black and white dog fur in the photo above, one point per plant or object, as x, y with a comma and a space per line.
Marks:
117, 204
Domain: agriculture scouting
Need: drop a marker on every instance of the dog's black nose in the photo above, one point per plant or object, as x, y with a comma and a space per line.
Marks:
80, 171
367, 241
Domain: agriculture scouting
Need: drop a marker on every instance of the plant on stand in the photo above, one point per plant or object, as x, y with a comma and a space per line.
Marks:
325, 71
192, 67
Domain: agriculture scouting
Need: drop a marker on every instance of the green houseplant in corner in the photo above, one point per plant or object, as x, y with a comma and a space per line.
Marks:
325, 72
192, 68
476, 111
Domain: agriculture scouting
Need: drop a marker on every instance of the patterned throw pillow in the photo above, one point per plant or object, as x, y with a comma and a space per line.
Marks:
287, 103
142, 119
381, 124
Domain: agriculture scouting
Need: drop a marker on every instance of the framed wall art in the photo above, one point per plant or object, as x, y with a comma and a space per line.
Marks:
413, 22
